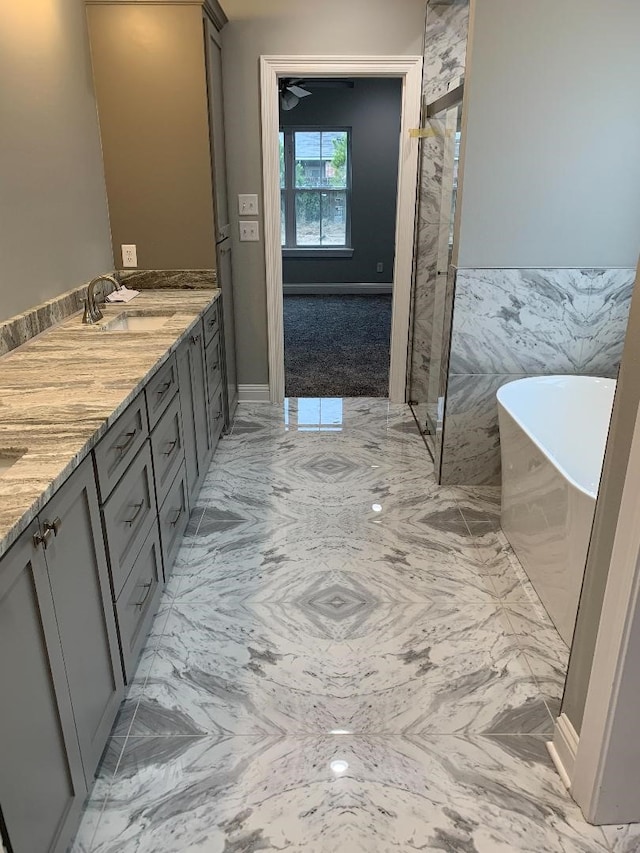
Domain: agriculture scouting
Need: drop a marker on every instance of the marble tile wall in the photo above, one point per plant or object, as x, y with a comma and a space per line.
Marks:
445, 46
511, 323
444, 61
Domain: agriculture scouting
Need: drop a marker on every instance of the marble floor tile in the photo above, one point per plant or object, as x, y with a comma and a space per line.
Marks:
479, 503
542, 646
94, 807
624, 838
335, 655
321, 794
253, 559
348, 658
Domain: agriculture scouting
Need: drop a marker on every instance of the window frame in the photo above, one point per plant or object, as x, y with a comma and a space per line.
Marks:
289, 192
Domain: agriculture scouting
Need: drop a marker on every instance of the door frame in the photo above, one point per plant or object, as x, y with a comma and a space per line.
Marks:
409, 70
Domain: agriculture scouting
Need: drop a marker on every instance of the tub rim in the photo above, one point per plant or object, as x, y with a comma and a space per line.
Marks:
544, 450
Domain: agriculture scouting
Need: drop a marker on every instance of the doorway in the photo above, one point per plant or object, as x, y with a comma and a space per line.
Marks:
339, 143
407, 70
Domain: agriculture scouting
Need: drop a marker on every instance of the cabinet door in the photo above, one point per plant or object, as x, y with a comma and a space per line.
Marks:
42, 785
216, 414
79, 578
195, 417
213, 52
225, 282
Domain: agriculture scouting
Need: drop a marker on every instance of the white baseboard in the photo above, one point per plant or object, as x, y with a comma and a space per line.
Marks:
253, 394
563, 748
353, 289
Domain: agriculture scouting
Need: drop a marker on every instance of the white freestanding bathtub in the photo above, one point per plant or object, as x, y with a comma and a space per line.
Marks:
553, 432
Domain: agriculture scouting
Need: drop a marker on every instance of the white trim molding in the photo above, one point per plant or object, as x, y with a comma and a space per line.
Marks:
409, 70
253, 394
564, 748
606, 776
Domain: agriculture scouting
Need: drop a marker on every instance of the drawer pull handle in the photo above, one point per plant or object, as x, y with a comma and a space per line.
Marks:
195, 339
172, 447
147, 587
214, 366
53, 526
138, 510
164, 388
213, 322
127, 444
177, 517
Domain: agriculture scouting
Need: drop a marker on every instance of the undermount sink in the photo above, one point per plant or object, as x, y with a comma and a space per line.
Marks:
8, 459
136, 321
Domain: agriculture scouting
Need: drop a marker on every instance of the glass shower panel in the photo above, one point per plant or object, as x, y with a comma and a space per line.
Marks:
438, 361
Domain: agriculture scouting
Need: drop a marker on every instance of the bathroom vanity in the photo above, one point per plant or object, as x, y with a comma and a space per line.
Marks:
105, 437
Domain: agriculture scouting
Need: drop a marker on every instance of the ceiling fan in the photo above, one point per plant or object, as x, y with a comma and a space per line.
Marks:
291, 92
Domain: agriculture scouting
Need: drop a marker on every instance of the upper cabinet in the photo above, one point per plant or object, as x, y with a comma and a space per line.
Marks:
151, 81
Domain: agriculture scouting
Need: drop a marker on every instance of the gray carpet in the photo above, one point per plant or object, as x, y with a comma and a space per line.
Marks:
337, 346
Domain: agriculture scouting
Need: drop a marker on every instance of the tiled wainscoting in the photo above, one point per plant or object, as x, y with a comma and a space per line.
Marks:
511, 323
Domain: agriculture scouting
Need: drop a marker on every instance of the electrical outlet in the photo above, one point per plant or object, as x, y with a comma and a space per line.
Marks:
248, 204
379, 267
249, 231
129, 255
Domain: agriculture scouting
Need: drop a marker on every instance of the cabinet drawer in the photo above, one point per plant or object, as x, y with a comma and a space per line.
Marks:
173, 518
167, 448
211, 321
138, 601
118, 447
216, 415
213, 362
128, 515
161, 389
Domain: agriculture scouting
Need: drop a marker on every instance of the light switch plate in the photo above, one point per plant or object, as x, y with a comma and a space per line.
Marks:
249, 231
129, 255
248, 204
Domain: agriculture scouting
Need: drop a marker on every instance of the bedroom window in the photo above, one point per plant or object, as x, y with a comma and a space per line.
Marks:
315, 188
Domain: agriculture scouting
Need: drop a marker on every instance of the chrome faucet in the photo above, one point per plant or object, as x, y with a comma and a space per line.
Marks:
92, 312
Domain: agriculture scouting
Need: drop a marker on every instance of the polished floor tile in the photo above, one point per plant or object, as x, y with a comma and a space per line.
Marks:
339, 793
347, 658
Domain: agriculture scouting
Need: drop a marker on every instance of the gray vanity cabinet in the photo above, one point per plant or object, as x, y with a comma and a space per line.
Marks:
42, 784
193, 404
79, 578
216, 390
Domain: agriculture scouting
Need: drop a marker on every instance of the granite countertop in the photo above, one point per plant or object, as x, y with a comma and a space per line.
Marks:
60, 392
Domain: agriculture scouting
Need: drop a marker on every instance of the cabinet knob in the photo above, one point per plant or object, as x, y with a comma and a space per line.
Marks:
195, 339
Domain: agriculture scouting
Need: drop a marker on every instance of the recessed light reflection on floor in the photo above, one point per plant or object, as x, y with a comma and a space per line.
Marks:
339, 766
376, 507
340, 732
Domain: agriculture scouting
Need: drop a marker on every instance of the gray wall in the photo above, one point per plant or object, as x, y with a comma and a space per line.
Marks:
294, 27
372, 110
551, 172
54, 228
